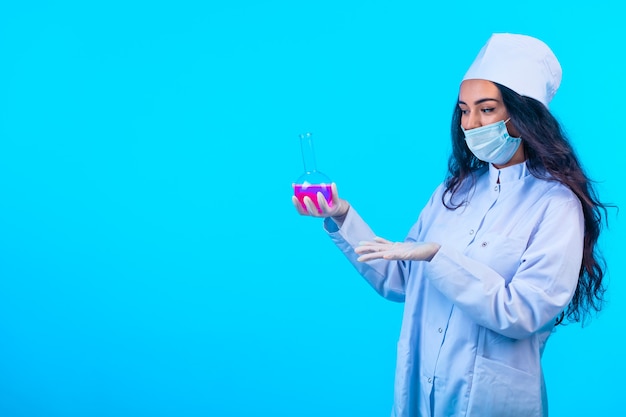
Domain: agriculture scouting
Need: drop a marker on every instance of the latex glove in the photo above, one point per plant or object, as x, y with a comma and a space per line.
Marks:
337, 209
381, 248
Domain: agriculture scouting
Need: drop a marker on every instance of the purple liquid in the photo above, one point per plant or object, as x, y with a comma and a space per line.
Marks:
311, 190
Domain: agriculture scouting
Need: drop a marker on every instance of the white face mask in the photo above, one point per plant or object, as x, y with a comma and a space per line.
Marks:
492, 143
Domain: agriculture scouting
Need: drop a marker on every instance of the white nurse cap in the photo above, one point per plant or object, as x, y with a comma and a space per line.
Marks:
522, 63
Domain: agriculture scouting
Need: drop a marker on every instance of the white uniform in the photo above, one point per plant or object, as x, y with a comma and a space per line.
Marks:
477, 317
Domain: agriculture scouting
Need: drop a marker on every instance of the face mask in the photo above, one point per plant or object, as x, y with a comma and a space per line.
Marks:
492, 143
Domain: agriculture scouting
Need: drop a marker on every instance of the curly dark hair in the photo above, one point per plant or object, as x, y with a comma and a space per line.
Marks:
550, 156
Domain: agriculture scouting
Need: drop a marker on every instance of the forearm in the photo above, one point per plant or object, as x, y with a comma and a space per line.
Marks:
386, 277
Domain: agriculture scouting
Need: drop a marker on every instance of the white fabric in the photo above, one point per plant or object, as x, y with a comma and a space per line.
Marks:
522, 63
477, 316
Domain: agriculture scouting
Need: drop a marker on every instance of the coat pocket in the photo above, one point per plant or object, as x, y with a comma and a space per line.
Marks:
501, 253
498, 390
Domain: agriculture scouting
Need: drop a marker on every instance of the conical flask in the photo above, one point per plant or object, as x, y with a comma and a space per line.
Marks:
312, 181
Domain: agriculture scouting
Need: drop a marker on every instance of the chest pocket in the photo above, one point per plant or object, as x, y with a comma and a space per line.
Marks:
501, 253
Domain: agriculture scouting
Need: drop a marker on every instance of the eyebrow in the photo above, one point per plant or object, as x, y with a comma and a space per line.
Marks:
482, 100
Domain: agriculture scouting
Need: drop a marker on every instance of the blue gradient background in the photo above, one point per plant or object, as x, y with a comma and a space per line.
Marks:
151, 263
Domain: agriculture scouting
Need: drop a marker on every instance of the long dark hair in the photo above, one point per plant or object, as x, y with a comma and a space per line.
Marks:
549, 156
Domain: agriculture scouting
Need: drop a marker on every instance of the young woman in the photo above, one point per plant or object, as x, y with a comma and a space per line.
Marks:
505, 249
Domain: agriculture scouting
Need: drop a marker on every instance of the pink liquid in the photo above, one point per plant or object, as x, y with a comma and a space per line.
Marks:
311, 190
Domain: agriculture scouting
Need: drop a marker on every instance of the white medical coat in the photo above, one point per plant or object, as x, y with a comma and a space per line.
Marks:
477, 316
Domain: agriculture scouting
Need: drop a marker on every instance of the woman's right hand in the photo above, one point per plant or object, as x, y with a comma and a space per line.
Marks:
337, 209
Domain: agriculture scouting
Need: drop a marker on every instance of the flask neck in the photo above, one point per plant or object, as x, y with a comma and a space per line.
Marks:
308, 153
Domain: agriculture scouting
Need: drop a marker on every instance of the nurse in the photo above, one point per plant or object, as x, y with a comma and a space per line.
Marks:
504, 250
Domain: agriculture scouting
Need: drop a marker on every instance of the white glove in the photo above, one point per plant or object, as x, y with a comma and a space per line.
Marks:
381, 248
337, 209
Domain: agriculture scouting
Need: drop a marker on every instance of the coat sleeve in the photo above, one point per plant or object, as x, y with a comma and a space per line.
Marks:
542, 286
388, 278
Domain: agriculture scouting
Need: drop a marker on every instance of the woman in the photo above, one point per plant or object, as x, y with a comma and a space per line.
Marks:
505, 249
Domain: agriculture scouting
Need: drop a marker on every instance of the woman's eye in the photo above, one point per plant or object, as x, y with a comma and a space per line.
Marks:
488, 110
463, 111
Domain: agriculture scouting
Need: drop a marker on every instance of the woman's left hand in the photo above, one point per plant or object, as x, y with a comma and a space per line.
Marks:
381, 248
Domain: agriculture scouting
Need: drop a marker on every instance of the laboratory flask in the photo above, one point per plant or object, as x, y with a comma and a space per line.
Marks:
312, 181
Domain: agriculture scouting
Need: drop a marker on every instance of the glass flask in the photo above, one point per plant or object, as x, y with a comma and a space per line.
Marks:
312, 181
